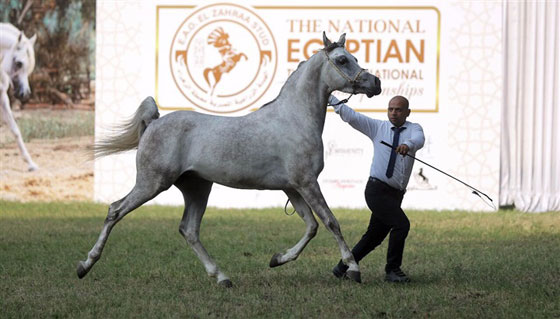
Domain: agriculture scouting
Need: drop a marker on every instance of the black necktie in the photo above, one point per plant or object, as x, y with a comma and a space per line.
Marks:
393, 158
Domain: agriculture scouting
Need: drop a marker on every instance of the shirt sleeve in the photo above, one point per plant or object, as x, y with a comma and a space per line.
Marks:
416, 140
360, 122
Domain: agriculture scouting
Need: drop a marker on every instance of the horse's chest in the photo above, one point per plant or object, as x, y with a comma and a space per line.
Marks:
308, 157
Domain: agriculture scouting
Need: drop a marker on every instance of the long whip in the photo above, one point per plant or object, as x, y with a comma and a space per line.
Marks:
474, 190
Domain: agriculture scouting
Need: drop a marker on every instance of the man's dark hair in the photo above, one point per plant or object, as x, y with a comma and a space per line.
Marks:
402, 99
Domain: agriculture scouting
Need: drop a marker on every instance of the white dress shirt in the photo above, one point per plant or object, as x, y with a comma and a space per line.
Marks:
377, 131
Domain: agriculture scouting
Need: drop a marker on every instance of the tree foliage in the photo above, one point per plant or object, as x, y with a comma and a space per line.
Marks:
65, 47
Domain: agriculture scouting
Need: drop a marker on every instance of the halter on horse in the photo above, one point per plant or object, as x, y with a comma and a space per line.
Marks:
277, 147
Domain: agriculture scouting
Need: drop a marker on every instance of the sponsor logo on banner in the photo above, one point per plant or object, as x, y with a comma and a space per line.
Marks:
343, 183
343, 154
420, 180
223, 58
228, 58
332, 149
422, 177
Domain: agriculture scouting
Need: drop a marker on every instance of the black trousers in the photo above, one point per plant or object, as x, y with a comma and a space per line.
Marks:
386, 217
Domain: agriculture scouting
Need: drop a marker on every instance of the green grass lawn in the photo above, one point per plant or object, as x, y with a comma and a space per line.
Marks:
58, 124
462, 265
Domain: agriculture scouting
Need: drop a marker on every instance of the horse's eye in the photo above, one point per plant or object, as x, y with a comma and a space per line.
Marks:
342, 60
19, 65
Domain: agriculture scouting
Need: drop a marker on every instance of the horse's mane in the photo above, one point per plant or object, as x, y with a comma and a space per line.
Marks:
296, 74
291, 78
333, 46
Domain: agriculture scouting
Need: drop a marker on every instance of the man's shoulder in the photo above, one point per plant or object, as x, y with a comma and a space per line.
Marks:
412, 124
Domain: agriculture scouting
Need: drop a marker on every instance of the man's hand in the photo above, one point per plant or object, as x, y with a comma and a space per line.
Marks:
333, 100
402, 149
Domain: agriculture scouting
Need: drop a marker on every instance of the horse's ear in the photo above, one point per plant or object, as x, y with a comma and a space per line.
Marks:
33, 39
326, 41
342, 40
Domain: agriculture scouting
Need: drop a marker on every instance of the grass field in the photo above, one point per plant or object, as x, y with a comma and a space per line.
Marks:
50, 124
462, 265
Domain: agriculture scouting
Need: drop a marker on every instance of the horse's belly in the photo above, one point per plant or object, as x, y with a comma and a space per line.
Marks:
248, 175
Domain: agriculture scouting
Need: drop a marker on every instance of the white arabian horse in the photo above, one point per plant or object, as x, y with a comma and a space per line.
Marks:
277, 147
17, 60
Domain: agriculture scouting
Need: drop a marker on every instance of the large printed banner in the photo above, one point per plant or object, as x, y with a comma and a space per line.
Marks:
224, 58
230, 58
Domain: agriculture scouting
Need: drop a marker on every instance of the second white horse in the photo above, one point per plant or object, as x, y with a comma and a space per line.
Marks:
17, 61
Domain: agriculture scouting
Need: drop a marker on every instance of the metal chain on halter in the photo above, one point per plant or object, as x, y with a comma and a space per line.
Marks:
342, 101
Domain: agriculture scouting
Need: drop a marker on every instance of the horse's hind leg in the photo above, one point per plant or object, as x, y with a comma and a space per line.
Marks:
305, 213
313, 196
141, 193
195, 192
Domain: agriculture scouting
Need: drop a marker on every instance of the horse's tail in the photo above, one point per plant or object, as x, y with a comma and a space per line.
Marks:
127, 135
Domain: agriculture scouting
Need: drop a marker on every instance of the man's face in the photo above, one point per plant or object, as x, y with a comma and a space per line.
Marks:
397, 112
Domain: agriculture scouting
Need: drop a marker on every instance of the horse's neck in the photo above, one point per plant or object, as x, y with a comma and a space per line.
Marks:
8, 36
5, 59
6, 44
5, 52
305, 95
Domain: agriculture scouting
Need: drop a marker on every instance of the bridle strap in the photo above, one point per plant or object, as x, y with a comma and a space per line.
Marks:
346, 77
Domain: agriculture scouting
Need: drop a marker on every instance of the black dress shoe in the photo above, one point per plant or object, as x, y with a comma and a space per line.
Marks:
396, 275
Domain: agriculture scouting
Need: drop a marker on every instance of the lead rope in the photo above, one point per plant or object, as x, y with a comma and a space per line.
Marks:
286, 207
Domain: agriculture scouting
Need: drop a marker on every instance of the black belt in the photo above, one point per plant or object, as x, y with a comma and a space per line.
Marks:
389, 187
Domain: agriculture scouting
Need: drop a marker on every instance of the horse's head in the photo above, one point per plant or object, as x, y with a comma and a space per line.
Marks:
344, 73
219, 39
19, 62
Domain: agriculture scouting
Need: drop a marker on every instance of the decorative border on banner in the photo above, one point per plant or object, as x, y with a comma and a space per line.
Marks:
258, 7
156, 92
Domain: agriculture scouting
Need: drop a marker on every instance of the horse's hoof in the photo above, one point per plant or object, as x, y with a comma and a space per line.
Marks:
274, 261
225, 283
32, 168
81, 270
354, 275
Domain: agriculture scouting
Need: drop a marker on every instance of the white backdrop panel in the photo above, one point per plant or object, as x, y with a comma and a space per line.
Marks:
445, 57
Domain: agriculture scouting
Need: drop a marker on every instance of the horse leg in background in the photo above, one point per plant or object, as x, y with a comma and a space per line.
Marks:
313, 196
143, 191
306, 214
195, 192
11, 122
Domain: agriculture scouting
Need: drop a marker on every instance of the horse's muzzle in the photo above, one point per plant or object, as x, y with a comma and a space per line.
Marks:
21, 91
375, 87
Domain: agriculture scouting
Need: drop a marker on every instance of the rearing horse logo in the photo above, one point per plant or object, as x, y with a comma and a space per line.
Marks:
223, 59
220, 40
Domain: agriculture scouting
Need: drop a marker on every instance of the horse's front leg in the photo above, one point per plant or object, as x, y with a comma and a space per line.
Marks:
305, 213
11, 122
313, 196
